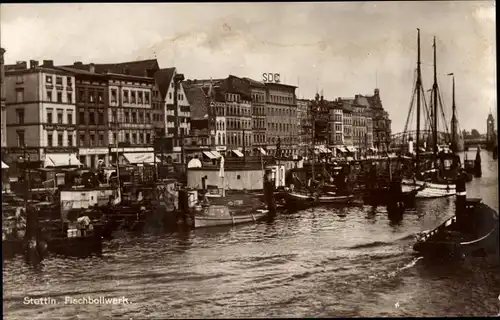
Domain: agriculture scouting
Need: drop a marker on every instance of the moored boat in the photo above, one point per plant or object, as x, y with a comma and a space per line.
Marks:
220, 215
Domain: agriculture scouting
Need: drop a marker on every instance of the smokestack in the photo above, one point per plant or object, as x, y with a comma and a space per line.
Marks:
48, 63
78, 64
21, 65
92, 67
33, 64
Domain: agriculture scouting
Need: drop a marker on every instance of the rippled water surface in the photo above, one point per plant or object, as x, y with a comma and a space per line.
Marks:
321, 262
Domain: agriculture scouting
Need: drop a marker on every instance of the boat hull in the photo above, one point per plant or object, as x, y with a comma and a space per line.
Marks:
428, 190
299, 200
76, 247
202, 221
435, 244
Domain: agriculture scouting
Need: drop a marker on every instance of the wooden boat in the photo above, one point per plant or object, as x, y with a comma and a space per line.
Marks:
428, 190
219, 215
450, 239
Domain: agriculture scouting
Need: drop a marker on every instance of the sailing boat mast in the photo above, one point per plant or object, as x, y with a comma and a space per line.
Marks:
454, 142
435, 104
419, 86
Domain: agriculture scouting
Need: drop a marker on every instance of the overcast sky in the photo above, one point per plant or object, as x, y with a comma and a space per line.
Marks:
340, 48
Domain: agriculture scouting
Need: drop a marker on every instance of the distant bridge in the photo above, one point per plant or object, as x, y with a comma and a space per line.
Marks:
475, 142
401, 138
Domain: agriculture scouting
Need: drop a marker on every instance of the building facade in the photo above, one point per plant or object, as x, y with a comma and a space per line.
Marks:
381, 123
336, 126
259, 128
281, 118
305, 126
321, 117
40, 113
490, 129
347, 112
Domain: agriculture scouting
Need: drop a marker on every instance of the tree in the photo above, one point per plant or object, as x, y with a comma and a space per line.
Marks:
475, 134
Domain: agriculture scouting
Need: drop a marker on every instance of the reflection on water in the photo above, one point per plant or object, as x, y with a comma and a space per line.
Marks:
321, 262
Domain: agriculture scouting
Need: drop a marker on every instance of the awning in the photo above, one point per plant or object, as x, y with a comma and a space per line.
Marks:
238, 153
54, 160
263, 151
373, 149
135, 158
351, 149
210, 155
4, 166
323, 149
216, 154
342, 149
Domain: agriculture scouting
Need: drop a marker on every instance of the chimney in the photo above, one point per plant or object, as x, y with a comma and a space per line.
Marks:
48, 63
21, 65
92, 67
78, 64
33, 64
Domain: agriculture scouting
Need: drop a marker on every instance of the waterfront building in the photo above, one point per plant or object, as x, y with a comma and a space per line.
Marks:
281, 118
321, 117
3, 116
336, 127
304, 121
381, 122
259, 127
92, 102
40, 114
347, 112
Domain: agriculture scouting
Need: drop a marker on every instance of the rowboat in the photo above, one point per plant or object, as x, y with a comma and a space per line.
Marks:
220, 215
428, 189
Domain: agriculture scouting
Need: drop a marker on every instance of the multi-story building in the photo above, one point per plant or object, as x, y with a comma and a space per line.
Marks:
381, 123
347, 112
258, 91
490, 129
41, 114
321, 117
281, 118
3, 132
336, 127
305, 126
92, 102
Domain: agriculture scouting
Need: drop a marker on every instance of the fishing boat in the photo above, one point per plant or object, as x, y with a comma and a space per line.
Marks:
435, 171
217, 215
472, 231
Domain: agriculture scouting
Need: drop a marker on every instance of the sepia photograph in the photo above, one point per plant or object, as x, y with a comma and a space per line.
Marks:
249, 160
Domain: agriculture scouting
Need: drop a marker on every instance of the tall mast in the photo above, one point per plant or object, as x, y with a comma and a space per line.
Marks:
454, 143
419, 86
435, 103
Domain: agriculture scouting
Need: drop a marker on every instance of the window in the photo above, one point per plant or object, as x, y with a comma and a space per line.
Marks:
49, 116
60, 139
70, 117
101, 139
125, 96
81, 95
60, 116
100, 96
49, 140
101, 117
139, 138
59, 97
148, 138
114, 138
92, 139
70, 139
59, 81
134, 138
20, 139
49, 95
81, 117
115, 117
139, 97
92, 96
20, 116
148, 118
132, 97
127, 137
69, 82
82, 139
146, 97
134, 117
91, 117
48, 79
127, 118
170, 93
141, 117
19, 95
113, 95
69, 98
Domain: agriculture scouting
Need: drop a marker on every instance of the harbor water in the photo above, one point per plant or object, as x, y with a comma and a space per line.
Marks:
317, 262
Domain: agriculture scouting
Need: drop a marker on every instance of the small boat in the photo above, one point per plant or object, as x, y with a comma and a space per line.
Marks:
295, 197
451, 239
220, 215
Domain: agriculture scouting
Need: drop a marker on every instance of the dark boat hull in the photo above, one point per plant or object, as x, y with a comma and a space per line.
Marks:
76, 247
446, 242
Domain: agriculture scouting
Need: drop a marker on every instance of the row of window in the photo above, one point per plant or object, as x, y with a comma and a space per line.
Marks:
281, 99
281, 127
130, 96
138, 116
60, 116
239, 111
59, 139
49, 79
238, 124
281, 112
90, 95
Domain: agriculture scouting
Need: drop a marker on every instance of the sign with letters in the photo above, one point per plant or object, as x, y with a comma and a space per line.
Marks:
271, 77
